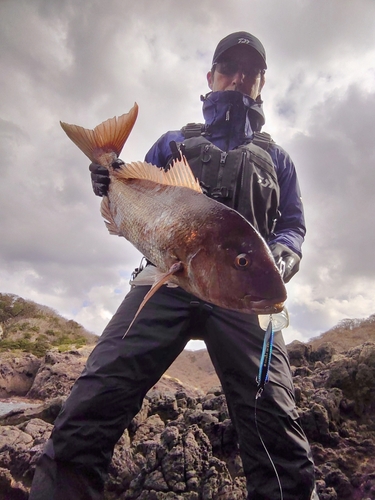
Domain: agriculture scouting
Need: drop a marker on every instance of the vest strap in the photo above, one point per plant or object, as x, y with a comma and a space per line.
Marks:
193, 130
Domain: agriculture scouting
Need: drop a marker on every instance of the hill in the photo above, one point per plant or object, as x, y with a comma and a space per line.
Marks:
194, 369
29, 327
347, 333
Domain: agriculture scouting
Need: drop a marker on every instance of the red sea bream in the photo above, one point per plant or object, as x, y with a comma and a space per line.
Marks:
196, 242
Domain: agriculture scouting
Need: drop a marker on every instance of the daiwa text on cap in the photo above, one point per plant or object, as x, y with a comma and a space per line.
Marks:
240, 37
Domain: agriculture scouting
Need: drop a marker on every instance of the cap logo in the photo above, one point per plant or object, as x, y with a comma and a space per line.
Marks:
243, 40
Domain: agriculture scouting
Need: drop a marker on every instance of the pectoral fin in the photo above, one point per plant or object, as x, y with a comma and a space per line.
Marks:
175, 268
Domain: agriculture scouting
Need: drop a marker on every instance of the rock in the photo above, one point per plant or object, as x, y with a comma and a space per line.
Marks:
46, 411
298, 353
323, 353
57, 374
184, 400
10, 489
183, 465
165, 404
12, 436
354, 374
150, 429
184, 447
17, 372
19, 449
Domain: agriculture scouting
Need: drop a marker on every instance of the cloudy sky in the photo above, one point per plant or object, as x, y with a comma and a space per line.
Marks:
85, 61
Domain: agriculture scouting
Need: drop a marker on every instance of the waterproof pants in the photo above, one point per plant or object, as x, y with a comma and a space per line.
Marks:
120, 371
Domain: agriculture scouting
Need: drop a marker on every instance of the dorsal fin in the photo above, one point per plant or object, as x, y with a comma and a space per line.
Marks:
179, 174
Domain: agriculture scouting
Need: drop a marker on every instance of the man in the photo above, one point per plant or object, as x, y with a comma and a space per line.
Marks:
120, 370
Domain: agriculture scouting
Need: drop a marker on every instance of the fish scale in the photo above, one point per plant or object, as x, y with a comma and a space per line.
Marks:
160, 206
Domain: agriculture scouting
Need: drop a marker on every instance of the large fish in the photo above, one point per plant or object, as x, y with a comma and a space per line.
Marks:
197, 243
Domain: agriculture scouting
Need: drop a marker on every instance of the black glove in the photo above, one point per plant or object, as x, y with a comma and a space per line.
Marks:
286, 260
100, 177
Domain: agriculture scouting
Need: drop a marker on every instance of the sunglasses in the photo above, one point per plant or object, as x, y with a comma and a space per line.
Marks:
232, 67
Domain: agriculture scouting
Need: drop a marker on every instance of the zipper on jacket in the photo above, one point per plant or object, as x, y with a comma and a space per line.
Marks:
239, 183
223, 158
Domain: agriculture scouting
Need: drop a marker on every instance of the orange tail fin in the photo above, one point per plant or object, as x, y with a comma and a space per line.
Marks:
110, 136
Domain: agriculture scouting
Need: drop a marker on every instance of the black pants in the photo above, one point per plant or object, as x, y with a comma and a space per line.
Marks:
119, 372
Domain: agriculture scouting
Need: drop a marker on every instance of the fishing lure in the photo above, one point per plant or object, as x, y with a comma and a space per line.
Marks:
265, 359
262, 379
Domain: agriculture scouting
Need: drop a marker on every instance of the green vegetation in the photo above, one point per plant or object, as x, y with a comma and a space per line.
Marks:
28, 327
12, 306
38, 348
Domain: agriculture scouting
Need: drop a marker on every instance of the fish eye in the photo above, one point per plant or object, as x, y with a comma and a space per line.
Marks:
242, 261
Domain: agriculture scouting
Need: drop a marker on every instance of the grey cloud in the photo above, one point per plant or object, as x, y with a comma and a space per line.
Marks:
337, 174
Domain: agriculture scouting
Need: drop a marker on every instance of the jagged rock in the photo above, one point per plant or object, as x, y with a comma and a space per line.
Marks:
57, 374
10, 489
182, 466
17, 373
184, 400
323, 353
165, 403
216, 391
150, 429
123, 468
354, 374
298, 353
19, 449
185, 447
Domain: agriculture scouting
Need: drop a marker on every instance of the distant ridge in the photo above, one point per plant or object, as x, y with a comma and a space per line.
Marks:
346, 334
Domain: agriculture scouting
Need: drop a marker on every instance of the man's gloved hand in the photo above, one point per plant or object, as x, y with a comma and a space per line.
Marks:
100, 177
286, 260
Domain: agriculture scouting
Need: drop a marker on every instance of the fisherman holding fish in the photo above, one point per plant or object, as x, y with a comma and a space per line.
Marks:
215, 262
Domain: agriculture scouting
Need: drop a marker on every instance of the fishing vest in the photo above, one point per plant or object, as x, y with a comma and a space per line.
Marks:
243, 179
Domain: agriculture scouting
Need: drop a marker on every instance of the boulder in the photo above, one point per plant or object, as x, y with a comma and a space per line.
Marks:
17, 373
57, 374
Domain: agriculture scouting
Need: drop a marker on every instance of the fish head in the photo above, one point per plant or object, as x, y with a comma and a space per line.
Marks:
234, 269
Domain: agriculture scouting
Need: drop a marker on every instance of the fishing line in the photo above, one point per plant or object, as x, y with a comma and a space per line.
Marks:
262, 379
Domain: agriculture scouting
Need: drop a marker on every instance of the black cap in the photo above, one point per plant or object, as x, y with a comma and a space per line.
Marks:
241, 37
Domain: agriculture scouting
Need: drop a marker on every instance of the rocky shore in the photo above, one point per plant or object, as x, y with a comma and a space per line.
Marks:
182, 444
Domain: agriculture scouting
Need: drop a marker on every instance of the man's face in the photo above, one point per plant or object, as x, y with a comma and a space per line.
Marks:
237, 69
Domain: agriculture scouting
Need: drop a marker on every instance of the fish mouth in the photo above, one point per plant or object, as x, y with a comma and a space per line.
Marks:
258, 305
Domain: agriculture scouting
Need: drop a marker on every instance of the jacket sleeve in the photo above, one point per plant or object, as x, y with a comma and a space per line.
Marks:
160, 153
290, 228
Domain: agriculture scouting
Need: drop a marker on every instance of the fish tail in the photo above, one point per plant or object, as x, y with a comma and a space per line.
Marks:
108, 137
